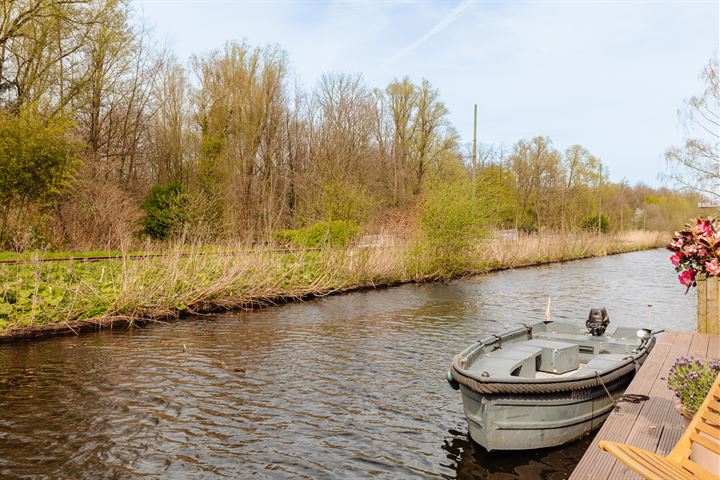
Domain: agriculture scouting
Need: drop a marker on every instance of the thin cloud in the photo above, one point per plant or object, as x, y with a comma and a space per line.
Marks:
444, 22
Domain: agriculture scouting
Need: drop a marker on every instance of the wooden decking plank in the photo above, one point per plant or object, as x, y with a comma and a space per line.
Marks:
653, 425
713, 347
597, 464
699, 345
673, 425
659, 410
616, 426
667, 338
668, 438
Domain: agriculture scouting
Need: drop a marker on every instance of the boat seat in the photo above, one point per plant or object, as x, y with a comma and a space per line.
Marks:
605, 360
510, 360
627, 333
556, 357
588, 343
600, 362
548, 343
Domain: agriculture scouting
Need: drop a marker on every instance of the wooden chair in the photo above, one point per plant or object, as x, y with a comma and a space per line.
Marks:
677, 465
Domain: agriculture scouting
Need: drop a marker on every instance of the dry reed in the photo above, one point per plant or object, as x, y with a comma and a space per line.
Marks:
39, 295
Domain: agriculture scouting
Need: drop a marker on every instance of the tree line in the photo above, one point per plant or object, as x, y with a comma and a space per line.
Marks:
98, 125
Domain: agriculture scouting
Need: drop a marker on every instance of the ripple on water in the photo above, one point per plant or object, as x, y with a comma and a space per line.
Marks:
346, 387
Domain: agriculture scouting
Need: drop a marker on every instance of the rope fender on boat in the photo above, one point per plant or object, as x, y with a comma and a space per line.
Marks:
489, 386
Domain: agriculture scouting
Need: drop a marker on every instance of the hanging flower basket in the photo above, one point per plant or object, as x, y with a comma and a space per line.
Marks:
696, 258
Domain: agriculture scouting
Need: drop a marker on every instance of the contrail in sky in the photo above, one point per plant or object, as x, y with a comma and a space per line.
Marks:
444, 22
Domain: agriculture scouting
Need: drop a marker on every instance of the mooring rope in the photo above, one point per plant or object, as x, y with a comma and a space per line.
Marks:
633, 398
629, 398
488, 386
597, 375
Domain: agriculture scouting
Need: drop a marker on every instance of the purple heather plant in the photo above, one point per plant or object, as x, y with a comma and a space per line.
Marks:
691, 378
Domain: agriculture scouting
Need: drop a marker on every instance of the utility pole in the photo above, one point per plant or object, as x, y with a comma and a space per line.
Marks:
474, 154
600, 201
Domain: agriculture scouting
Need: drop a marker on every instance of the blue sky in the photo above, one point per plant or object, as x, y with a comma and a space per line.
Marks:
609, 75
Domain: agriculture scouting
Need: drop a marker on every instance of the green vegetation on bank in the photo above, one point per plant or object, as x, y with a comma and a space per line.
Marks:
335, 233
31, 255
43, 294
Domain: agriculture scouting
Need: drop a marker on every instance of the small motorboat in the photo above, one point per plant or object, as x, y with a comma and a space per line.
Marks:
548, 383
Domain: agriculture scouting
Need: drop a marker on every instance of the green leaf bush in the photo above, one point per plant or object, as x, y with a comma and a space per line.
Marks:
335, 233
165, 210
38, 159
596, 223
452, 223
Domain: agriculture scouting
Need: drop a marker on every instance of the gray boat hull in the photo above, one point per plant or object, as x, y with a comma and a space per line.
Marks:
545, 384
522, 422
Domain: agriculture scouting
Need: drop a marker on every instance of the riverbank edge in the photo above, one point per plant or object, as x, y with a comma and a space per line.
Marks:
77, 327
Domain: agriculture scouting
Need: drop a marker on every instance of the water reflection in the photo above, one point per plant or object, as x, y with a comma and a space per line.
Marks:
346, 387
471, 461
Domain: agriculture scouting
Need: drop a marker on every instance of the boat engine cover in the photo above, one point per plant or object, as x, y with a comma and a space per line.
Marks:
597, 321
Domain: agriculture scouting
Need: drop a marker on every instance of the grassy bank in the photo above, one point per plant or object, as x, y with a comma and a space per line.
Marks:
53, 297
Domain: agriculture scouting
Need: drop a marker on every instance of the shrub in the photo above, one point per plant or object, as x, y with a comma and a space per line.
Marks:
165, 210
451, 223
338, 200
285, 236
335, 233
691, 380
202, 220
495, 189
598, 222
38, 158
96, 213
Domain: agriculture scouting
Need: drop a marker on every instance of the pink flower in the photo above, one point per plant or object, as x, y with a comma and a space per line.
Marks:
690, 249
675, 259
712, 267
687, 277
704, 227
677, 243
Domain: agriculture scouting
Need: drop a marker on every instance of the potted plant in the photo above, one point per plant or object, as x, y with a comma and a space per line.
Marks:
697, 260
690, 379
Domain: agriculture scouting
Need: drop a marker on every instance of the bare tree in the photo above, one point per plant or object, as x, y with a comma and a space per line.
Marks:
403, 102
241, 109
696, 165
434, 136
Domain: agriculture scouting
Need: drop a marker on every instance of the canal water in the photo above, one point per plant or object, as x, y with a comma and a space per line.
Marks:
350, 386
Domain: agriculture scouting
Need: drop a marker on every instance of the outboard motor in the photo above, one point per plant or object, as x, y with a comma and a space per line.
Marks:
597, 321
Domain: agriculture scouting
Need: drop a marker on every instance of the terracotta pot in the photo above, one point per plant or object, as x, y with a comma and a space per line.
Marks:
707, 459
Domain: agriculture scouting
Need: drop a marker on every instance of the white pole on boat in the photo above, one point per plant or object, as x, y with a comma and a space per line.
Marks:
649, 316
547, 311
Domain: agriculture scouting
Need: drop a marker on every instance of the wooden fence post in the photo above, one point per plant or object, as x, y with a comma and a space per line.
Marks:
708, 306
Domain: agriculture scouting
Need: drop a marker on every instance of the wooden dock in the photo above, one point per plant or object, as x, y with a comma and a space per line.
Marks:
654, 425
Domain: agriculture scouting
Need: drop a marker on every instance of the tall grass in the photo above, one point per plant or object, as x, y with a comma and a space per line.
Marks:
72, 295
545, 248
